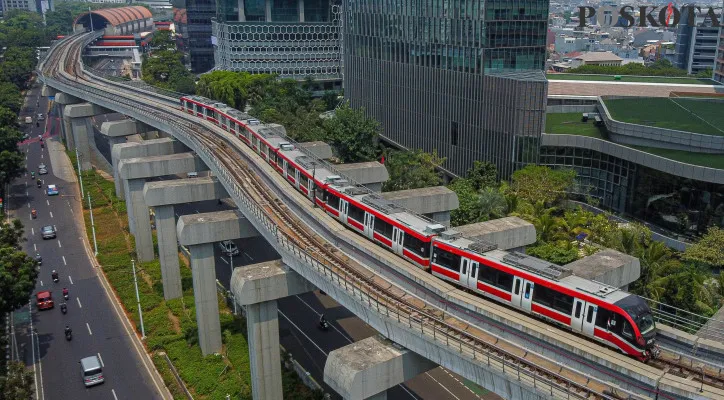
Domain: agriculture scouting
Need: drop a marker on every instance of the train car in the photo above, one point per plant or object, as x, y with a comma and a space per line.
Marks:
548, 291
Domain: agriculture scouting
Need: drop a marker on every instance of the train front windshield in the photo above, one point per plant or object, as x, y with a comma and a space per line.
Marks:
646, 324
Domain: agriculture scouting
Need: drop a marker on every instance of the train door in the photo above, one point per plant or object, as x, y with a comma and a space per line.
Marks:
398, 237
369, 225
522, 293
297, 182
577, 317
343, 210
310, 188
517, 293
589, 319
469, 273
283, 164
527, 298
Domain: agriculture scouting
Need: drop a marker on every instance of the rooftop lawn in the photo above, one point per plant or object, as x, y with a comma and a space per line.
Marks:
570, 124
681, 114
702, 159
630, 78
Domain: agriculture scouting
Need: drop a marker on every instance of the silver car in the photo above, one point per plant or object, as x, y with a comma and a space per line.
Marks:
48, 232
91, 370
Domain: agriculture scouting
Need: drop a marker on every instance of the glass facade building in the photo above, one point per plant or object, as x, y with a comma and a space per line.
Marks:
464, 77
292, 38
192, 19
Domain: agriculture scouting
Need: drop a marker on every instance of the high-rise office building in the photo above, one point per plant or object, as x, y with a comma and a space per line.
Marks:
292, 38
192, 19
463, 77
719, 61
695, 44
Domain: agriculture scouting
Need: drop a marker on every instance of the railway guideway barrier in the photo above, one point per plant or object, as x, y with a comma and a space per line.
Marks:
414, 329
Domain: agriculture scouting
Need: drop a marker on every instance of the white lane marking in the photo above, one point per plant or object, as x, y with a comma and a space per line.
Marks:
35, 247
71, 280
224, 260
114, 392
64, 263
90, 332
302, 332
248, 256
332, 325
441, 385
51, 214
41, 156
41, 283
101, 360
31, 215
28, 205
79, 305
26, 194
59, 245
47, 201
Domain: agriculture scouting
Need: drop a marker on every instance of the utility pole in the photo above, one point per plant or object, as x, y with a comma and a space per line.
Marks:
80, 176
93, 225
138, 300
90, 16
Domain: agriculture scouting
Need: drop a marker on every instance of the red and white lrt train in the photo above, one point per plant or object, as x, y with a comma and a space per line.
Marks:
603, 313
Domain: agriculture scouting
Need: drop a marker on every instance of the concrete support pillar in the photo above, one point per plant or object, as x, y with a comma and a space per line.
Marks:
82, 132
168, 252
135, 149
205, 298
262, 326
267, 10
366, 369
138, 218
442, 217
68, 132
258, 287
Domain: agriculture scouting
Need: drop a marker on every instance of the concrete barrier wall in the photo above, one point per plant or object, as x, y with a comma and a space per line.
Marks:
642, 135
558, 109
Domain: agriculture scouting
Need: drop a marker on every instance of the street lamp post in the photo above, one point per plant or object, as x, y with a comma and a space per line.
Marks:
80, 176
138, 300
93, 225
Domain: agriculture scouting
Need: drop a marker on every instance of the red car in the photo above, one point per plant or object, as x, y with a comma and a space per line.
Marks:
44, 300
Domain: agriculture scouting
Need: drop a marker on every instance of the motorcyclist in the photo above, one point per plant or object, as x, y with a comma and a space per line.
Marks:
55, 275
68, 331
34, 213
323, 322
40, 183
65, 292
32, 175
63, 308
38, 258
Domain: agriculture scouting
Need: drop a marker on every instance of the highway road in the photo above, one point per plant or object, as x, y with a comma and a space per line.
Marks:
97, 327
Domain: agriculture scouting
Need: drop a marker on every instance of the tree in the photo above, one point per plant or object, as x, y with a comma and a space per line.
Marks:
18, 383
11, 233
705, 73
491, 204
534, 183
467, 211
709, 250
557, 253
354, 136
482, 175
8, 118
18, 64
11, 166
18, 273
166, 70
10, 97
161, 41
412, 169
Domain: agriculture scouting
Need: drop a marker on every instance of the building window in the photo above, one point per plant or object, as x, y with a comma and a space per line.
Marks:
454, 133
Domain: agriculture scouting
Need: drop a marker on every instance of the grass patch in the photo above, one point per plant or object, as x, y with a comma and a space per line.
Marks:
701, 159
630, 78
570, 124
171, 325
688, 115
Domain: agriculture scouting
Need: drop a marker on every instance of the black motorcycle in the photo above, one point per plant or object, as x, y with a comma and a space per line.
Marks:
68, 335
38, 259
40, 183
323, 324
63, 308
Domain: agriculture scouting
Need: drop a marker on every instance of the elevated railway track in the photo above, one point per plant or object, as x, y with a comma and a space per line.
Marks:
64, 69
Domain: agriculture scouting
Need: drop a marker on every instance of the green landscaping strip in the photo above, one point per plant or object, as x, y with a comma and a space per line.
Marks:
570, 124
171, 325
688, 157
697, 116
630, 78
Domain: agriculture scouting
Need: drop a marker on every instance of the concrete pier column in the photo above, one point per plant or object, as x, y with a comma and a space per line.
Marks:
201, 232
435, 202
366, 369
370, 174
139, 218
158, 147
258, 287
205, 297
79, 128
162, 195
168, 252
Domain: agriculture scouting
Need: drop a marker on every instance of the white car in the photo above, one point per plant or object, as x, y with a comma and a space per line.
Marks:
229, 248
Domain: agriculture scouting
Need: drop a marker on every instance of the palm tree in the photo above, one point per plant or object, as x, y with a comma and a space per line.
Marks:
546, 226
491, 204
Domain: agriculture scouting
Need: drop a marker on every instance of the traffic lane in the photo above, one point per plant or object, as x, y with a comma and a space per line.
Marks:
90, 320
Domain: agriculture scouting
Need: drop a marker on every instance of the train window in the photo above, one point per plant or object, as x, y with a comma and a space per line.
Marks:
333, 201
589, 314
544, 296
262, 149
626, 330
273, 157
290, 170
383, 228
505, 281
487, 274
577, 314
356, 213
210, 113
446, 259
562, 303
416, 246
303, 180
602, 317
517, 287
320, 193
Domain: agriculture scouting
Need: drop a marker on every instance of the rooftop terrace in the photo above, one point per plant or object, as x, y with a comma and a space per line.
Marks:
688, 115
630, 78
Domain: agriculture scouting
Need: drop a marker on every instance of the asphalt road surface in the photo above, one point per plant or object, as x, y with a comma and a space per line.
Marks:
97, 328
